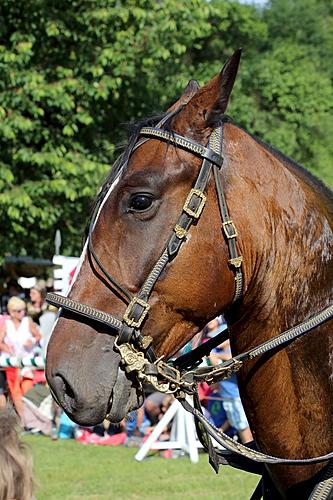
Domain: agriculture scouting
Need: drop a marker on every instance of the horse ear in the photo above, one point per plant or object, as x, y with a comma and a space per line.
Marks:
205, 109
190, 90
225, 83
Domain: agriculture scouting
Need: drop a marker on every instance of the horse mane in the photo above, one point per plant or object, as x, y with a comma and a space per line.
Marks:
296, 168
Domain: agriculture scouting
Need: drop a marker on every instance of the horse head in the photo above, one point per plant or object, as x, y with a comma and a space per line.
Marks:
164, 257
137, 210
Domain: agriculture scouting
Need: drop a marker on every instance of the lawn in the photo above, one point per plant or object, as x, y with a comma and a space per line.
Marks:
70, 470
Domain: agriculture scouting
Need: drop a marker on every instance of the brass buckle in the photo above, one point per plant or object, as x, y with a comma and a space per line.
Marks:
180, 232
133, 360
196, 214
236, 261
131, 321
234, 233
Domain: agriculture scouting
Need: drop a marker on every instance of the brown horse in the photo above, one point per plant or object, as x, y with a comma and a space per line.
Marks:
284, 219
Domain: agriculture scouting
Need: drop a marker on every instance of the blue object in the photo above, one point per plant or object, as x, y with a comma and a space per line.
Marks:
131, 423
66, 427
216, 411
229, 387
218, 415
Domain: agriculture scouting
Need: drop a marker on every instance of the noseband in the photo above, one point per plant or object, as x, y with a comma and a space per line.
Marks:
135, 349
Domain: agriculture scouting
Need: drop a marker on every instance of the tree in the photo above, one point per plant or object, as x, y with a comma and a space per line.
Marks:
291, 106
71, 72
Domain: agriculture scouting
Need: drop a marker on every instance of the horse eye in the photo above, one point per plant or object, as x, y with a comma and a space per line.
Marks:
140, 202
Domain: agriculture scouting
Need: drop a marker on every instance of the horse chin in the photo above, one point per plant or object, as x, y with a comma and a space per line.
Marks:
124, 398
112, 396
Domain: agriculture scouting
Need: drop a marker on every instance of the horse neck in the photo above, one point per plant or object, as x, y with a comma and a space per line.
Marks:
286, 239
285, 225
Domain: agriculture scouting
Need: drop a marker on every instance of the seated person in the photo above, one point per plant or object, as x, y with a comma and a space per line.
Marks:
229, 392
155, 405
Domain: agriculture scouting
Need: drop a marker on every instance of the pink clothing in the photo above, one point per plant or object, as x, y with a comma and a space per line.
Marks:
3, 318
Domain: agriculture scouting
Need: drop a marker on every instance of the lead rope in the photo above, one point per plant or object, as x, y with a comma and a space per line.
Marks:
227, 368
240, 449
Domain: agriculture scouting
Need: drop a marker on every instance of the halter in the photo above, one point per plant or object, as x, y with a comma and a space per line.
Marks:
135, 349
137, 355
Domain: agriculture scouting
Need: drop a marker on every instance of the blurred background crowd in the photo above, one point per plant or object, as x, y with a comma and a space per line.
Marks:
26, 323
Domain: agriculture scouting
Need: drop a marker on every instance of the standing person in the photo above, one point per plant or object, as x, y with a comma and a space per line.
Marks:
18, 336
229, 392
42, 313
37, 304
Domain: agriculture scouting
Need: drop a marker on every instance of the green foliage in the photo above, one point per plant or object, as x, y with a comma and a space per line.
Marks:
72, 72
291, 106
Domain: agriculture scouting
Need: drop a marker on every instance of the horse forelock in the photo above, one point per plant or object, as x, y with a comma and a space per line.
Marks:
119, 167
133, 131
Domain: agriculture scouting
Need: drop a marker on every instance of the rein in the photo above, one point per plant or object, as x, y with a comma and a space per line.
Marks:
137, 355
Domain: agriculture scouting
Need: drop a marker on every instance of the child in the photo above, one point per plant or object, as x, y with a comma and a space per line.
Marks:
16, 480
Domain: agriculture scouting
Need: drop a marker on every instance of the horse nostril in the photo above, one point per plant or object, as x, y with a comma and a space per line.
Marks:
63, 392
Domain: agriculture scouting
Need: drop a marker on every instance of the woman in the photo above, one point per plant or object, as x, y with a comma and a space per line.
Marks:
37, 306
42, 313
18, 337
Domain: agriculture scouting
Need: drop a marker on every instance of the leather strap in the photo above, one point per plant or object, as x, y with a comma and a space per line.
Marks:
194, 204
184, 143
226, 441
191, 359
324, 489
224, 370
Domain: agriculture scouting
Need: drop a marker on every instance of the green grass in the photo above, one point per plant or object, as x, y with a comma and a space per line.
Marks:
70, 470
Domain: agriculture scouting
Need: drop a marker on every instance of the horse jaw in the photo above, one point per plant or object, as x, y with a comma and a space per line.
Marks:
124, 398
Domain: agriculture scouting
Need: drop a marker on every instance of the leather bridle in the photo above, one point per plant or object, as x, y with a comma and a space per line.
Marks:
135, 349
136, 352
